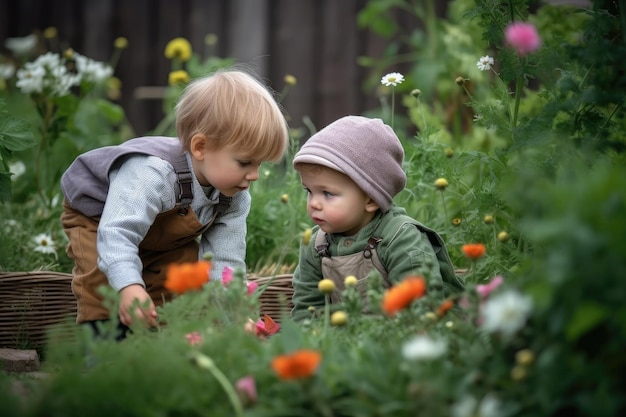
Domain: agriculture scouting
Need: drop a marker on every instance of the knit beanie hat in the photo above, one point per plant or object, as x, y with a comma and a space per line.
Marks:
366, 150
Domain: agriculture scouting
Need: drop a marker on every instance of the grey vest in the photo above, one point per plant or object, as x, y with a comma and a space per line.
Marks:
85, 184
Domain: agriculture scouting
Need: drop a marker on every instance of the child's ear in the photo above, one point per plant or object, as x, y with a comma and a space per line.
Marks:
370, 205
198, 146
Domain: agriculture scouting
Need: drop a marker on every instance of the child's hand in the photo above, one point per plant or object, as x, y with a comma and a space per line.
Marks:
128, 295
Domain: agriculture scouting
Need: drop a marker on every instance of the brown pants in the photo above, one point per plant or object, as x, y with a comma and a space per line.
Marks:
171, 239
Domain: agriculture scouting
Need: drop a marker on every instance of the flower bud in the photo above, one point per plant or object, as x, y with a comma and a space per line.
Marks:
449, 153
488, 219
306, 236
441, 183
339, 318
460, 80
416, 92
326, 286
284, 198
525, 357
290, 80
350, 281
503, 236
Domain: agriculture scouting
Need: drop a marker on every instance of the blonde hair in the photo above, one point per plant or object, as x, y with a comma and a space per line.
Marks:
232, 108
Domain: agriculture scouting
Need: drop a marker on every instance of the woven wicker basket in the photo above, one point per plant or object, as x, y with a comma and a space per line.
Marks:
30, 304
275, 300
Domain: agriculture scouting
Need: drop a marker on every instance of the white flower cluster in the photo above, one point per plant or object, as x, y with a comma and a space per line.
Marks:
49, 74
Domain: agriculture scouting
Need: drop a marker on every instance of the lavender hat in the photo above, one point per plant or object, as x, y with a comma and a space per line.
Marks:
366, 150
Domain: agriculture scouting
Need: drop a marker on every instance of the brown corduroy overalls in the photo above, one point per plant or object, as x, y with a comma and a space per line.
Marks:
172, 237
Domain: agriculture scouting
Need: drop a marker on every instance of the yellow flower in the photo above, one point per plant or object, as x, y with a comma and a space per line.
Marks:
211, 39
306, 236
178, 48
456, 221
350, 281
327, 286
178, 77
290, 80
441, 183
339, 318
518, 373
488, 219
503, 236
525, 357
50, 32
121, 43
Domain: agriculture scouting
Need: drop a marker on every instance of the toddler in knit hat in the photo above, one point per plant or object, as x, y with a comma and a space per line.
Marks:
352, 170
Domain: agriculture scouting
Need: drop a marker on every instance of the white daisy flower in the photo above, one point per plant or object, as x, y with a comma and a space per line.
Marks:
44, 243
392, 79
6, 71
423, 347
506, 312
22, 45
17, 168
485, 63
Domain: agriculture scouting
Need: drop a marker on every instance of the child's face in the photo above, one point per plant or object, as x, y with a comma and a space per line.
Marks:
335, 202
227, 170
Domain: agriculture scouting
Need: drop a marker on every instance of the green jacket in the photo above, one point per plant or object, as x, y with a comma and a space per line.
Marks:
406, 247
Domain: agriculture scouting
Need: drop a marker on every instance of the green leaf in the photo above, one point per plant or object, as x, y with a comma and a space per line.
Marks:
15, 134
586, 317
111, 111
5, 187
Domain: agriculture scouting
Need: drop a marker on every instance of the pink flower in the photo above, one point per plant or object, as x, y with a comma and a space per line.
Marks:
523, 37
194, 338
252, 286
227, 276
485, 290
246, 388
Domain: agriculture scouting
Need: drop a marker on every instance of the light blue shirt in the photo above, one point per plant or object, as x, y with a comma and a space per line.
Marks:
142, 187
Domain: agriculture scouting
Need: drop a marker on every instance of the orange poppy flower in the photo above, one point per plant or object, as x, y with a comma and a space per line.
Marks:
298, 365
400, 295
474, 250
187, 276
445, 307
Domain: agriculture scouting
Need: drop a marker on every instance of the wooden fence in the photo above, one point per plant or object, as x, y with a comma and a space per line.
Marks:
317, 41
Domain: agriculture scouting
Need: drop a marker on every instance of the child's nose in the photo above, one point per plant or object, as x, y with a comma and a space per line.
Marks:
315, 202
253, 174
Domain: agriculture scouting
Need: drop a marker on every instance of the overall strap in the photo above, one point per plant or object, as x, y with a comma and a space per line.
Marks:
184, 196
321, 244
222, 205
184, 181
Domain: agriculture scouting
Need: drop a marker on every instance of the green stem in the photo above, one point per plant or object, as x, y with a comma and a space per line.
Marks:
445, 209
208, 364
419, 103
393, 104
518, 92
48, 109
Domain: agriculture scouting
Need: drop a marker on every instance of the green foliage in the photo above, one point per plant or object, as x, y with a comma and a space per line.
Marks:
533, 148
